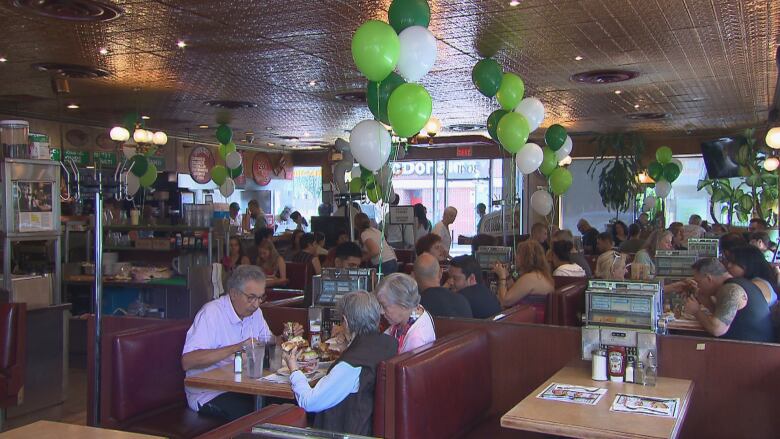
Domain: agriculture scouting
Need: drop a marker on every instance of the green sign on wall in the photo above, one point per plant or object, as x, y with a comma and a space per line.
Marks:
159, 162
104, 159
80, 157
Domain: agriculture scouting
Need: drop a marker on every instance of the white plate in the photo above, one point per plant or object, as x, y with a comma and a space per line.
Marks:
285, 372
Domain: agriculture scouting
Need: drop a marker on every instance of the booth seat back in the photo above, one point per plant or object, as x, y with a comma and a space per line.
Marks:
517, 314
570, 304
147, 371
13, 355
405, 256
278, 414
442, 390
277, 316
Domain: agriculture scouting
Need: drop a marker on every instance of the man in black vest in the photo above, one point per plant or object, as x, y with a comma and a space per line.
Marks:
466, 275
740, 311
343, 400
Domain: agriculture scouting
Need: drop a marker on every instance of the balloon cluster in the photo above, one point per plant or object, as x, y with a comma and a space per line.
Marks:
513, 124
393, 57
664, 171
223, 175
142, 174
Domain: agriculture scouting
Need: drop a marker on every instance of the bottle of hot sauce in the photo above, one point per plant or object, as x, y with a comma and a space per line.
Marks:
616, 358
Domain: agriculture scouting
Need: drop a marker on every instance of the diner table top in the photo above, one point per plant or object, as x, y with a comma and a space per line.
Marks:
687, 325
598, 421
59, 430
224, 379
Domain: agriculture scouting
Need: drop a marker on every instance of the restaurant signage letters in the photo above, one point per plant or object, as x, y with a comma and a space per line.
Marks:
261, 169
456, 169
104, 158
200, 163
81, 158
159, 162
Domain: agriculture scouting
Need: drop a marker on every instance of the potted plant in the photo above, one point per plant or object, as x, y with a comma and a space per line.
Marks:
617, 162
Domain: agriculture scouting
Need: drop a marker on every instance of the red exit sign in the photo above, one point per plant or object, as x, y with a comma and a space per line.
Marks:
463, 151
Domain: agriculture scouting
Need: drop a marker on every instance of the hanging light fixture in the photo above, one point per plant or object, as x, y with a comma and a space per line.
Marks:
159, 138
773, 138
566, 161
433, 126
771, 163
139, 135
119, 134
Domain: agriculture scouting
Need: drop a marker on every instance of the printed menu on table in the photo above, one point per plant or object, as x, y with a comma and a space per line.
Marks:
645, 405
573, 394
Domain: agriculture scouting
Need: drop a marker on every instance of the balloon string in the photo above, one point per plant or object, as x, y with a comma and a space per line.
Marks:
386, 208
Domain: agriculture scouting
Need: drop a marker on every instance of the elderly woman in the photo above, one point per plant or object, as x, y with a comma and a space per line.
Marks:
344, 399
410, 323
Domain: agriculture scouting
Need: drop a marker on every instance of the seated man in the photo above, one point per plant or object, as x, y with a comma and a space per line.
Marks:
589, 236
761, 241
220, 329
605, 246
347, 255
739, 311
466, 275
437, 300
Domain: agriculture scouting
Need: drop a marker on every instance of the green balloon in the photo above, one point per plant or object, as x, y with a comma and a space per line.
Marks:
513, 131
406, 13
226, 149
487, 75
555, 137
148, 179
671, 172
378, 94
511, 91
375, 49
663, 155
492, 123
224, 134
409, 109
356, 186
140, 165
549, 162
218, 174
374, 193
129, 120
236, 172
656, 171
560, 181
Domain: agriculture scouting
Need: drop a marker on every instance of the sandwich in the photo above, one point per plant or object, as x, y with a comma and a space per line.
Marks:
295, 342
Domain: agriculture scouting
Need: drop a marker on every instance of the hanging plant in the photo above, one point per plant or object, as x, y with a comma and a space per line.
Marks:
617, 163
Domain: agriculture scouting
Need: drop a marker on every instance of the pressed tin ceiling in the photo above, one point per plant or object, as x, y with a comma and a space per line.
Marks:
706, 65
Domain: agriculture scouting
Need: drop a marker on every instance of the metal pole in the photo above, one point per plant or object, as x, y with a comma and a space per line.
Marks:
98, 300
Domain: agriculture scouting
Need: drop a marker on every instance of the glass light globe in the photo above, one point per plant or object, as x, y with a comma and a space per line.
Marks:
566, 161
139, 135
433, 126
119, 134
773, 138
771, 163
159, 138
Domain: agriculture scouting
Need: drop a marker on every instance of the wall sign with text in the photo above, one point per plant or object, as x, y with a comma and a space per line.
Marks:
201, 161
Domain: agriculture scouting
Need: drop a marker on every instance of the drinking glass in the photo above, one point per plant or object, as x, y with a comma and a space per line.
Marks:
255, 354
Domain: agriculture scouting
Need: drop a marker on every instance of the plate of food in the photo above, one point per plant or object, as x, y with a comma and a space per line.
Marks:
296, 342
285, 372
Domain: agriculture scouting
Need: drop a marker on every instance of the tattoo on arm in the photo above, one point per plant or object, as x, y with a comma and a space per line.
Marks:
731, 298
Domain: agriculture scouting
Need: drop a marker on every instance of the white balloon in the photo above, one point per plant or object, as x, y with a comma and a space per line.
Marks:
565, 150
533, 110
650, 202
370, 144
662, 188
679, 163
529, 158
341, 145
133, 184
418, 53
339, 173
227, 187
542, 202
233, 160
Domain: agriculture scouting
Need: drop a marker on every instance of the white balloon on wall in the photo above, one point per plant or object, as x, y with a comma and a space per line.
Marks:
564, 150
533, 110
370, 144
542, 202
233, 160
133, 183
418, 53
662, 188
340, 170
227, 188
529, 158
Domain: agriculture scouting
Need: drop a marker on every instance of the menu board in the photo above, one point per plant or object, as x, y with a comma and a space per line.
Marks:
401, 214
33, 201
201, 161
261, 169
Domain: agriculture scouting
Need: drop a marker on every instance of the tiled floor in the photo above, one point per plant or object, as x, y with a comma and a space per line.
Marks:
73, 411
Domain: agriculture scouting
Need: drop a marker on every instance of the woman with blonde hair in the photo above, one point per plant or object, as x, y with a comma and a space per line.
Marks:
535, 281
658, 240
611, 266
272, 263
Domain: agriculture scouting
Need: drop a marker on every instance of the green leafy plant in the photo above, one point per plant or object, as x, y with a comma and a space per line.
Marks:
617, 163
754, 195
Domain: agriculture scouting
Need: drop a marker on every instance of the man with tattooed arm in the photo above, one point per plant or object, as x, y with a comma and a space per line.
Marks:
729, 307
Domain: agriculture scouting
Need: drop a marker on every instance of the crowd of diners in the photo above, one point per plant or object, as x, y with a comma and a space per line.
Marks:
734, 296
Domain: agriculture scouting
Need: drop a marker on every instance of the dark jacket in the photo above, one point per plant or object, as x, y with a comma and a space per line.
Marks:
441, 302
483, 302
355, 413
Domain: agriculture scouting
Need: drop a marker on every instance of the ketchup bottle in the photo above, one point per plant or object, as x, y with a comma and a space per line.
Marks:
616, 359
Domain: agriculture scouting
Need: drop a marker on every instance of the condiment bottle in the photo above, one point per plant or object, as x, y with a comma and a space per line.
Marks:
616, 356
237, 362
630, 372
599, 366
651, 370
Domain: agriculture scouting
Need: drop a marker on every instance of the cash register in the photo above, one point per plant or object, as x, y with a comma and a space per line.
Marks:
327, 289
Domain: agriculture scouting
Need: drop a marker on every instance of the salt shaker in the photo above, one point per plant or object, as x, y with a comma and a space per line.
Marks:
599, 372
237, 362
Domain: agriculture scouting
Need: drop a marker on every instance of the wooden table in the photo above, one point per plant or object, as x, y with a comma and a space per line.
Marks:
583, 421
58, 430
687, 325
225, 380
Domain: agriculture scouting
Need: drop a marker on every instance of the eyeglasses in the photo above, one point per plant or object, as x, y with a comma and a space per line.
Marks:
252, 298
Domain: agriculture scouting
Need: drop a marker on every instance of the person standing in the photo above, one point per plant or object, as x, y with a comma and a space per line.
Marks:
376, 249
422, 226
481, 212
442, 228
235, 217
254, 218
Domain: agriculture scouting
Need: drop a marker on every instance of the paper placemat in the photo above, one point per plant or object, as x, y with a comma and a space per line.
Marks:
645, 405
573, 394
285, 379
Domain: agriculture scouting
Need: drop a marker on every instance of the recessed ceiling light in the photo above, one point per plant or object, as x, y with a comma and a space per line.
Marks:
203, 127
73, 107
578, 58
3, 59
268, 128
249, 133
617, 92
294, 139
103, 51
636, 106
144, 117
306, 134
270, 144
312, 83
514, 2
181, 44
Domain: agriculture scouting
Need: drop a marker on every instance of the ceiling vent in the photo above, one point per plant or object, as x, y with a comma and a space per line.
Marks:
351, 97
604, 76
647, 116
70, 10
72, 71
467, 127
231, 105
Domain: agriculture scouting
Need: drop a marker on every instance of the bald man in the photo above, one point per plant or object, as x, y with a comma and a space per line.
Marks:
589, 236
439, 301
442, 228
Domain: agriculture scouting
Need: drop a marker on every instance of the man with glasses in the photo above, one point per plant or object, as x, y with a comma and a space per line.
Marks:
220, 329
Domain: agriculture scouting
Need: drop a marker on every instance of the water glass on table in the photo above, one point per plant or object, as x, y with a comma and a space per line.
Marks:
255, 353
